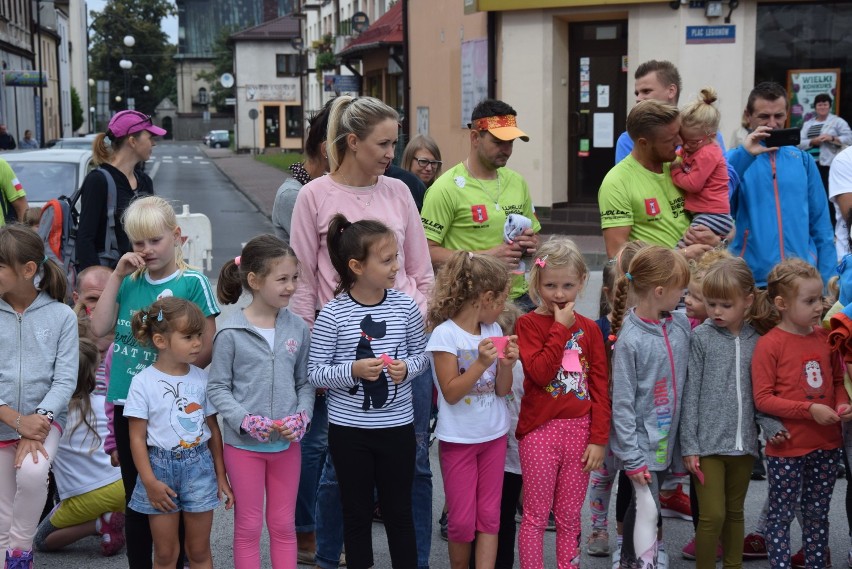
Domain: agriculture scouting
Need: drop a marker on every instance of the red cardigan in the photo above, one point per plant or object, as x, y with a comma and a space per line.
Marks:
551, 393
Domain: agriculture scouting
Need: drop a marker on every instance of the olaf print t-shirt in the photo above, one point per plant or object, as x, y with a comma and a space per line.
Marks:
479, 416
175, 407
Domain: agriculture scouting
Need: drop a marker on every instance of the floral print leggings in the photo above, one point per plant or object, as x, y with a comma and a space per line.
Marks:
814, 474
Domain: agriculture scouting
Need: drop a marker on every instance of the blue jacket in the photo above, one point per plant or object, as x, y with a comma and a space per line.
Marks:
781, 211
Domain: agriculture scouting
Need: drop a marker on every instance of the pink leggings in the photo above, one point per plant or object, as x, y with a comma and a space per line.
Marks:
275, 475
553, 480
23, 492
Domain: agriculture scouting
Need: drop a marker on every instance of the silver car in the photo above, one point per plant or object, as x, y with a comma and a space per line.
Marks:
50, 173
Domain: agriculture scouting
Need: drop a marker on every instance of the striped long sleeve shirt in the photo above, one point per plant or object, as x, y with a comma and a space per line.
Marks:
346, 331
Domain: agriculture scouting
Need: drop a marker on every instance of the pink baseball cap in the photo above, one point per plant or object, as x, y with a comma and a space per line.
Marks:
125, 123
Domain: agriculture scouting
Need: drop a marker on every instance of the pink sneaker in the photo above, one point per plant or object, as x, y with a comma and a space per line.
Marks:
688, 550
112, 534
17, 559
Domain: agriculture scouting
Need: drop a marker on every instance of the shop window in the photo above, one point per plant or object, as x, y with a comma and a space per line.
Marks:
293, 116
813, 35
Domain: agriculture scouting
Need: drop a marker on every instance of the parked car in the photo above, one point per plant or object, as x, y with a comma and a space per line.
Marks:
84, 142
50, 173
218, 139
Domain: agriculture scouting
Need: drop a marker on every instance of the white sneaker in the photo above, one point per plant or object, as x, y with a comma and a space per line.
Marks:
662, 556
616, 557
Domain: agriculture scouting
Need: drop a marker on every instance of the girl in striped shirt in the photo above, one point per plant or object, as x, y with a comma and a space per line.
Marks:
367, 343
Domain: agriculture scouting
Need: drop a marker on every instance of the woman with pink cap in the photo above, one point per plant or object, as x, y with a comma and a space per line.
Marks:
131, 140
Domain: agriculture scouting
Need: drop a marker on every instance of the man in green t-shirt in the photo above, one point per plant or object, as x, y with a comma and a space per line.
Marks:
13, 194
637, 198
467, 207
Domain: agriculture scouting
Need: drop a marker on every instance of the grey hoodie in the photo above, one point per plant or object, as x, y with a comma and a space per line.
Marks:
648, 371
41, 353
718, 406
247, 378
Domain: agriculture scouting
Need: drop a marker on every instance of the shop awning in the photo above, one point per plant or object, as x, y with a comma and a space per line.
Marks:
384, 32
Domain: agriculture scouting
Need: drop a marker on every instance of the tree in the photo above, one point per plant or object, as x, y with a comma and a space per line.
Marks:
151, 53
223, 62
76, 111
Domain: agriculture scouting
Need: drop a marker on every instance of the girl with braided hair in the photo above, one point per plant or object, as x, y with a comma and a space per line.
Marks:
472, 366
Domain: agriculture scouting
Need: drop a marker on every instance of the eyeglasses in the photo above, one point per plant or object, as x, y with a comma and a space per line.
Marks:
435, 164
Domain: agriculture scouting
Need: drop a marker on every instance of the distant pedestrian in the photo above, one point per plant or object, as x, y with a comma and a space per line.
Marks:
7, 141
564, 425
472, 362
259, 383
28, 141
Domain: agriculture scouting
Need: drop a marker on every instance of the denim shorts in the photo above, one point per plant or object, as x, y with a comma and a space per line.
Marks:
189, 472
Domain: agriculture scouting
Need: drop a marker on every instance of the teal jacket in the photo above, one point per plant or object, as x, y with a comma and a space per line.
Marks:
781, 211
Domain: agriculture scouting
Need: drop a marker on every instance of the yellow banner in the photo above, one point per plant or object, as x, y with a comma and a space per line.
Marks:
501, 5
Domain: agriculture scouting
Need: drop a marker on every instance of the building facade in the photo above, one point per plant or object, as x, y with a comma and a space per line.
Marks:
268, 73
567, 68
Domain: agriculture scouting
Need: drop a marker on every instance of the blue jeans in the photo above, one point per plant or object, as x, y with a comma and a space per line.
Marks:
329, 513
314, 449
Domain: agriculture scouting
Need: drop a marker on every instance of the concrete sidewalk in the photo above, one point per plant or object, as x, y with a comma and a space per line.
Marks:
259, 182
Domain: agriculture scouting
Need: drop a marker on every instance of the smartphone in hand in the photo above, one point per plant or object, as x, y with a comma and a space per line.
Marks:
783, 137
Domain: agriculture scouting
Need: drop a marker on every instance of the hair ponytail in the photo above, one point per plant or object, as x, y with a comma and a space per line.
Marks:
54, 281
256, 257
352, 241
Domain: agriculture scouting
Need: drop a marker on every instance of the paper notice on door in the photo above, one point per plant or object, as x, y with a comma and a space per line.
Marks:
603, 96
602, 130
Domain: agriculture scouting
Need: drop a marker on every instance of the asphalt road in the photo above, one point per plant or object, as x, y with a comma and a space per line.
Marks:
183, 174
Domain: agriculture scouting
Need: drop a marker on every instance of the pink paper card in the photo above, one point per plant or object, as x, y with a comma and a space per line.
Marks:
500, 342
387, 359
571, 361
700, 476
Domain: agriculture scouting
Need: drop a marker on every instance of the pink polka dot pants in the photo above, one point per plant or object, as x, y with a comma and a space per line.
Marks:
553, 480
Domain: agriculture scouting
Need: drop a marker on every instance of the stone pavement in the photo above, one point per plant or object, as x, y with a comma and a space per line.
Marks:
259, 182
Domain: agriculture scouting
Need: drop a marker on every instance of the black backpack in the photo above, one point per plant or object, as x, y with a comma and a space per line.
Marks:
58, 230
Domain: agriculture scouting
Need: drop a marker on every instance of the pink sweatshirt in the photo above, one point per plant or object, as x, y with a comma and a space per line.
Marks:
704, 176
391, 203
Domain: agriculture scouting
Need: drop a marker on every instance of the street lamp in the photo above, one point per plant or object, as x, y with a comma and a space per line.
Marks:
126, 65
92, 115
92, 100
129, 41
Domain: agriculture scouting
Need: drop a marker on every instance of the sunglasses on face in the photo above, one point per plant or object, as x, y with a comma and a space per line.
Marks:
426, 162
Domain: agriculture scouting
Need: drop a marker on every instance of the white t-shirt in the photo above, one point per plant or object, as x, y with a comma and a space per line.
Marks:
479, 416
175, 407
81, 465
268, 335
840, 182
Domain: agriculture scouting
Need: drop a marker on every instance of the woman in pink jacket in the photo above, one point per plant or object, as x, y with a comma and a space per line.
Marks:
361, 136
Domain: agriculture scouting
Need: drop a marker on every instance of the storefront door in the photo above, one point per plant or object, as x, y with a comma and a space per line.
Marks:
272, 126
597, 99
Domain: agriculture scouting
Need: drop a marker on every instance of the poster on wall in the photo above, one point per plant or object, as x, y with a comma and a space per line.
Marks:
474, 76
805, 84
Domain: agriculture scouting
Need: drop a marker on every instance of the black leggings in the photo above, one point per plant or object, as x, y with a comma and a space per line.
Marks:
137, 532
383, 459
